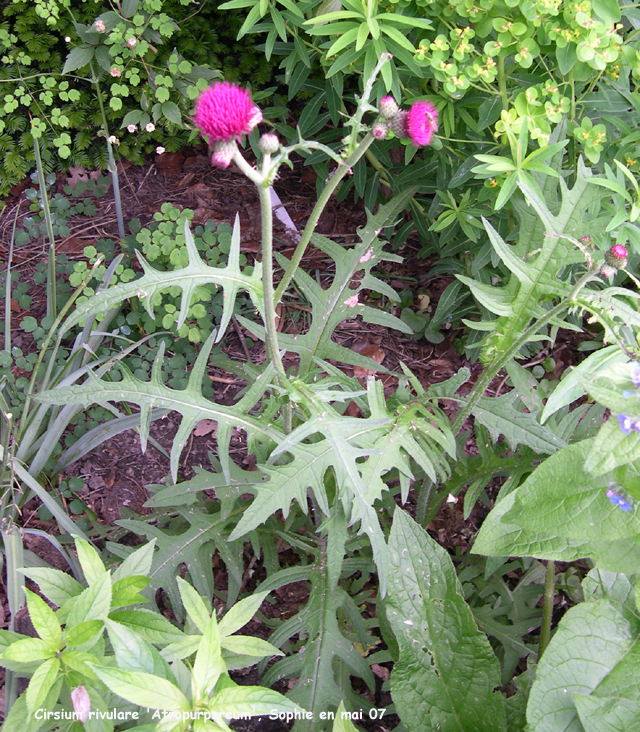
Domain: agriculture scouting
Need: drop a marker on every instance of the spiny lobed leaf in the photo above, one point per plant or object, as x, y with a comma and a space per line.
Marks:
339, 302
319, 687
188, 279
193, 548
190, 402
386, 440
535, 265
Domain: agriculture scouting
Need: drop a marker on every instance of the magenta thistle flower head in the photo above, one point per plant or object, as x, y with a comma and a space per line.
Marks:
422, 123
616, 256
224, 111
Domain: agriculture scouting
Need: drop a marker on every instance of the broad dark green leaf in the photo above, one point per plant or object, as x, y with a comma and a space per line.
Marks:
595, 652
447, 672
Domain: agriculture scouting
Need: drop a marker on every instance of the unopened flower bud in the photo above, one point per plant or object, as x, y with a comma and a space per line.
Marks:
115, 71
269, 143
380, 129
81, 703
388, 107
399, 124
586, 240
616, 256
607, 271
101, 28
132, 42
223, 153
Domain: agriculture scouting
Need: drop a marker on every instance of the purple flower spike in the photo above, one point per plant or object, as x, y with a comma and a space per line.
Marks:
635, 372
626, 424
618, 500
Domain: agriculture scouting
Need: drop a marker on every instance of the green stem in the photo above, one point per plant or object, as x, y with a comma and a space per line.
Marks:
113, 169
502, 84
379, 168
266, 216
572, 83
547, 607
7, 288
51, 268
323, 199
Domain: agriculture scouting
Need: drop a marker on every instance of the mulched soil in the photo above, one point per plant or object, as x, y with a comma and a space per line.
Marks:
115, 475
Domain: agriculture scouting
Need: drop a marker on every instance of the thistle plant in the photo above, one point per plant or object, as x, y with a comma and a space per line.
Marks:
334, 468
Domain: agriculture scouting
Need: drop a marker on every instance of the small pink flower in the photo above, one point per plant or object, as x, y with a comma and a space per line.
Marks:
421, 123
115, 71
224, 111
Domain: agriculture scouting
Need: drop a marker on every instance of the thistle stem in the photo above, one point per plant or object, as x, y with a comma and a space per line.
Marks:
51, 267
323, 199
266, 217
112, 162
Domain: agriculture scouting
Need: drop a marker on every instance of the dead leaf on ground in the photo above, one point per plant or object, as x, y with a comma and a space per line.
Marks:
372, 351
169, 163
205, 427
382, 672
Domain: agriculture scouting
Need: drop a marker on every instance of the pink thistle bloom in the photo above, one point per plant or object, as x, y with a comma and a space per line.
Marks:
421, 123
224, 111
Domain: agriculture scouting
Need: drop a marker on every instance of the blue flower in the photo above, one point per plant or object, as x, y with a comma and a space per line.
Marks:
627, 424
618, 500
627, 393
635, 372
